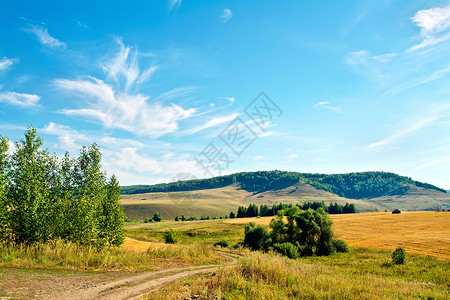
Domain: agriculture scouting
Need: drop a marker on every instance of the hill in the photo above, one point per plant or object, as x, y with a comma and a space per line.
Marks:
217, 196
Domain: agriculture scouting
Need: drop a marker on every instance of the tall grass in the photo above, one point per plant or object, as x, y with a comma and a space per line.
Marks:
63, 254
270, 276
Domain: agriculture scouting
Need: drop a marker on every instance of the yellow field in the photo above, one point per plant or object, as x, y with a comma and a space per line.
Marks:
425, 233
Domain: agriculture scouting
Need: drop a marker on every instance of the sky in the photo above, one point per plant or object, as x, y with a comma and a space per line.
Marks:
178, 88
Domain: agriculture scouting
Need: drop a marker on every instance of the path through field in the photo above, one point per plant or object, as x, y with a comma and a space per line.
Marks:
135, 286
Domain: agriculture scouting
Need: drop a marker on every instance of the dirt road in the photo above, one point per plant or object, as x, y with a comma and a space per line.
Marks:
136, 286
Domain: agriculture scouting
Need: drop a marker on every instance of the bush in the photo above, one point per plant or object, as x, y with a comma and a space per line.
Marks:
286, 249
399, 256
157, 217
221, 243
170, 237
257, 237
340, 246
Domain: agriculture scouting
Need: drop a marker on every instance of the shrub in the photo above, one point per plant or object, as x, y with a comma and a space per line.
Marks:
157, 217
399, 256
340, 246
170, 236
286, 249
221, 243
257, 237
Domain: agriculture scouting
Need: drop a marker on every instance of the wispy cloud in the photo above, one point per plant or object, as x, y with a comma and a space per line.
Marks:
292, 156
231, 99
366, 63
174, 4
19, 99
44, 37
433, 163
212, 123
427, 120
226, 15
7, 63
258, 157
67, 136
434, 26
327, 105
125, 65
417, 82
133, 113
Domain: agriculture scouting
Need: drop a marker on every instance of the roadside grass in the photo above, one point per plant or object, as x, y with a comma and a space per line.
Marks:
360, 274
60, 254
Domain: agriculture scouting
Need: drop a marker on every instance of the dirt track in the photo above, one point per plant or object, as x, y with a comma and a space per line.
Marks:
135, 286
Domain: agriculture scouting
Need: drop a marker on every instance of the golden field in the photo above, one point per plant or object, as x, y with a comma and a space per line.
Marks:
424, 233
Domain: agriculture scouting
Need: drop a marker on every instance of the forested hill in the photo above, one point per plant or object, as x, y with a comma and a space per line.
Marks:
352, 185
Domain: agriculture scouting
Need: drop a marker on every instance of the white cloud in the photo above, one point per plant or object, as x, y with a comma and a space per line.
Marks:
434, 25
44, 37
212, 123
226, 15
112, 105
133, 113
433, 116
292, 155
174, 4
66, 136
125, 65
6, 63
19, 99
327, 105
231, 99
259, 157
128, 159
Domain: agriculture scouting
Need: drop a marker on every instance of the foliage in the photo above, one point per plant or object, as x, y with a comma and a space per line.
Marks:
157, 217
46, 197
399, 256
170, 236
340, 246
352, 185
257, 237
286, 249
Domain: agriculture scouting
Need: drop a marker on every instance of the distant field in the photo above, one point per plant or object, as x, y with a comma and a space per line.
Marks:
425, 233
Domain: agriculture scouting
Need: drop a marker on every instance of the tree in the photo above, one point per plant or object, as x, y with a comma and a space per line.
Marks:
242, 212
232, 215
252, 211
170, 236
257, 237
29, 210
157, 217
4, 212
111, 215
177, 219
316, 235
399, 256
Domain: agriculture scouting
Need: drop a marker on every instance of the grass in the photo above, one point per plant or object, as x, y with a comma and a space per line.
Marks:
132, 256
361, 274
200, 232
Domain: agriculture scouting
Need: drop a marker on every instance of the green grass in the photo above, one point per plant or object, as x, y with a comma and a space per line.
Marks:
360, 274
200, 232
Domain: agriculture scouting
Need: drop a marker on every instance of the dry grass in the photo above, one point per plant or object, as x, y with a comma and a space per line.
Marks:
366, 275
424, 233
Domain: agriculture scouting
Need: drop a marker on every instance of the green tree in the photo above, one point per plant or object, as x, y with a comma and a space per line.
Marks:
28, 195
170, 236
399, 256
157, 217
111, 217
5, 231
257, 237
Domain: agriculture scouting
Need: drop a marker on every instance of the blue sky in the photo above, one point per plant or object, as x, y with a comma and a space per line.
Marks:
359, 85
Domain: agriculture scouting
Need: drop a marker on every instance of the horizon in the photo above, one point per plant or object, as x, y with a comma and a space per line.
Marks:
216, 88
